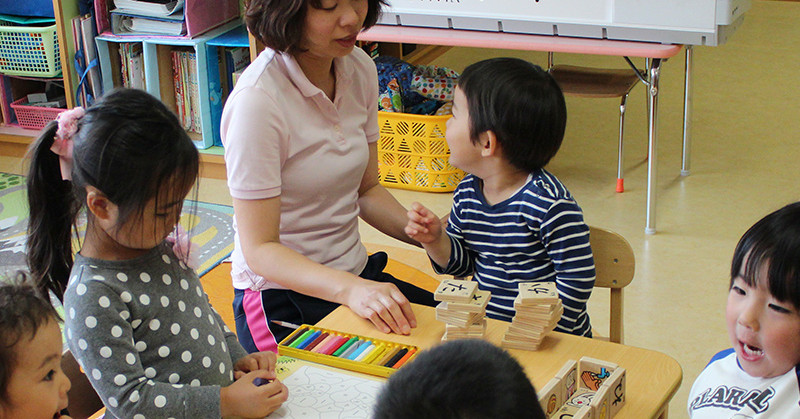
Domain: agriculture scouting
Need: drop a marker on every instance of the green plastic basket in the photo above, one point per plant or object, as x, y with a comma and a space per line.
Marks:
29, 51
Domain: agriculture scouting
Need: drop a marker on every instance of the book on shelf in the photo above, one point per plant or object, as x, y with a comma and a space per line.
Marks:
150, 7
198, 16
132, 65
127, 24
187, 96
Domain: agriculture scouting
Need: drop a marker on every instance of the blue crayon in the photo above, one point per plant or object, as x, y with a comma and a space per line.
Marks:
309, 339
360, 349
351, 349
366, 352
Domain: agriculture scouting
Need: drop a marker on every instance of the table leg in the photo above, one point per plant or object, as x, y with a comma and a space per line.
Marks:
687, 114
652, 119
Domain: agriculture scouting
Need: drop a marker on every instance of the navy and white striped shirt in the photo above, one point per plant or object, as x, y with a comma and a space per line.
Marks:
538, 234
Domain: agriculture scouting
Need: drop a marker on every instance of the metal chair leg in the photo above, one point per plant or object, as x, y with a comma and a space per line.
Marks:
620, 162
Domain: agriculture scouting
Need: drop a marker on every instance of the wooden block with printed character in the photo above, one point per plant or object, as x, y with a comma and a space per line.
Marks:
455, 290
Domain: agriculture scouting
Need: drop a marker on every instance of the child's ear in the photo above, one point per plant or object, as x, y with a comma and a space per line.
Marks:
488, 142
100, 206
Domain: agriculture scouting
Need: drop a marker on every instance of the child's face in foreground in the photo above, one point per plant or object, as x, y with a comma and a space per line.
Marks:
764, 332
38, 387
462, 151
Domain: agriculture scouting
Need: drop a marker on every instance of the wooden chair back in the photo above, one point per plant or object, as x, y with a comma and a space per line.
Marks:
615, 264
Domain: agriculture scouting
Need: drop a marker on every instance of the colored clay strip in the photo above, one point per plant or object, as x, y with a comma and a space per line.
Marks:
315, 342
405, 358
343, 347
375, 354
324, 344
301, 339
309, 339
360, 349
396, 357
351, 349
389, 354
334, 342
365, 352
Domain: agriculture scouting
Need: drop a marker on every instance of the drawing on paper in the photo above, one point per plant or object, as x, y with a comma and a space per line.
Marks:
320, 393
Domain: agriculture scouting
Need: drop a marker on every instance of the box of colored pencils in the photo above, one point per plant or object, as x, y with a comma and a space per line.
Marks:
346, 351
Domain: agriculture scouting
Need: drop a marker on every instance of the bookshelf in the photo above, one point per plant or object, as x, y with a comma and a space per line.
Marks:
13, 139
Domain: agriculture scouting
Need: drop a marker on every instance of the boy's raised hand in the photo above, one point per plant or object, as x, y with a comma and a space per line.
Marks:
423, 225
245, 398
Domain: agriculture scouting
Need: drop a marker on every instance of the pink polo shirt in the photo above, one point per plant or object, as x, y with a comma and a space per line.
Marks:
284, 137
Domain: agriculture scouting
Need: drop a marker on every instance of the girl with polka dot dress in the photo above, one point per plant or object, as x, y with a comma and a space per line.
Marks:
137, 319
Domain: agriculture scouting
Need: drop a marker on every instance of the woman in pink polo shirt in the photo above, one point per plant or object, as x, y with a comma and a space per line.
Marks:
300, 131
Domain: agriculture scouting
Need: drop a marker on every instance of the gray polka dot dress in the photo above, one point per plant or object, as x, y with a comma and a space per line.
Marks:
146, 336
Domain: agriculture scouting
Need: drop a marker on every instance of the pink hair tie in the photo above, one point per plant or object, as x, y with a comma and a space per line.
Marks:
62, 144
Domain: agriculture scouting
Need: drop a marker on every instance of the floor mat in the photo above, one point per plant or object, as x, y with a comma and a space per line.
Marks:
209, 225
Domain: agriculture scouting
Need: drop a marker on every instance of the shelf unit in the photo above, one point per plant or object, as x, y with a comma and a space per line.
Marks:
13, 139
158, 77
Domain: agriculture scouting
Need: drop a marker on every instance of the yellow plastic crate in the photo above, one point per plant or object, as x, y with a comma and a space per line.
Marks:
413, 153
29, 51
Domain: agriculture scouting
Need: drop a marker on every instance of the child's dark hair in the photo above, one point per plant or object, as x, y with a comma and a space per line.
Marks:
773, 241
23, 310
130, 147
460, 379
521, 103
280, 24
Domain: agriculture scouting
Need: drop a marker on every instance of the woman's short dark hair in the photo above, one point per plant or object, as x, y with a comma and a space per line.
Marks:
773, 241
279, 24
521, 103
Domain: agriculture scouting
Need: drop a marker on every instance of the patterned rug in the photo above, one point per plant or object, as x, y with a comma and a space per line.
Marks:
210, 227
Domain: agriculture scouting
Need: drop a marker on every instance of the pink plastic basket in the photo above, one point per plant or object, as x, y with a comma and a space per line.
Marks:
34, 117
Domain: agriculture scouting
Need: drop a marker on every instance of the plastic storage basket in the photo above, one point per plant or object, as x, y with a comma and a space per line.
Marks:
29, 51
413, 153
34, 117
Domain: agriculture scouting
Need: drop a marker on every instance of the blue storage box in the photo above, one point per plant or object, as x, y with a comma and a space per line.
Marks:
38, 8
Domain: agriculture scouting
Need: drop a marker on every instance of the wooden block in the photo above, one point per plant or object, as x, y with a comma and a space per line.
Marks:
460, 321
568, 374
538, 293
585, 412
581, 398
476, 305
519, 345
594, 371
600, 405
551, 397
616, 390
455, 290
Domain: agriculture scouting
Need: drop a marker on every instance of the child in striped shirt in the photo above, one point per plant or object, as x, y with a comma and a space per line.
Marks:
511, 220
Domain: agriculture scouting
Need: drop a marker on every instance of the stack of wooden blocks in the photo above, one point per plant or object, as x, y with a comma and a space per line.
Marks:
462, 308
538, 309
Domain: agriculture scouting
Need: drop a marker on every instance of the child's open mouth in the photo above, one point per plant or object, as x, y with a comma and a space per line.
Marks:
751, 353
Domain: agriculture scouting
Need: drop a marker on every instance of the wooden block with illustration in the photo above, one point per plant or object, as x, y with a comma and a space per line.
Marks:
568, 374
593, 372
616, 390
551, 396
538, 293
476, 305
455, 290
600, 404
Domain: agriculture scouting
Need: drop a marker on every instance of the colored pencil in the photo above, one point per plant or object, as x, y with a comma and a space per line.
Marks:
351, 349
375, 354
324, 344
396, 357
309, 339
388, 355
365, 352
316, 341
298, 340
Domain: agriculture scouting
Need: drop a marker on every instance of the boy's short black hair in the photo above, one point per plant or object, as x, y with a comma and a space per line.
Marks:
460, 379
23, 311
775, 241
521, 103
279, 24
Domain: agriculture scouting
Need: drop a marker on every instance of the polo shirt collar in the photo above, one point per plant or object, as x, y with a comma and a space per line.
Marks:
342, 67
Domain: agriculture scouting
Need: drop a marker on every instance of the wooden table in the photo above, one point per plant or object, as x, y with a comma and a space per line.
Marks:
656, 54
653, 377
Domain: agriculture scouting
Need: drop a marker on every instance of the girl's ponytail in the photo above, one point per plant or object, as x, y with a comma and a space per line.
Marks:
53, 211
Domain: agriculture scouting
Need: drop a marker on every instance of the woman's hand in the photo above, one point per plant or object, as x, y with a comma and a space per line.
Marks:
246, 399
382, 304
